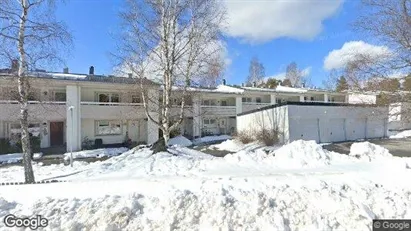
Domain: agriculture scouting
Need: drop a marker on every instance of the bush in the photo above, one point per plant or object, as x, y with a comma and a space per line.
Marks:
35, 142
175, 132
244, 137
6, 147
268, 136
87, 144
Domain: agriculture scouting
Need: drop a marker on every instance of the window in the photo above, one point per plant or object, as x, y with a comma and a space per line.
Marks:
209, 121
60, 96
209, 102
15, 131
246, 100
305, 98
223, 103
115, 98
107, 97
258, 100
135, 99
312, 98
108, 127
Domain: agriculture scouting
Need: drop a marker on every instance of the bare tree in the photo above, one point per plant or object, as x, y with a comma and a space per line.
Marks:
256, 72
294, 74
173, 43
31, 34
214, 73
387, 23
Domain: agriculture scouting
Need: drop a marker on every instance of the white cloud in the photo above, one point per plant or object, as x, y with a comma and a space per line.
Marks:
338, 58
281, 76
263, 20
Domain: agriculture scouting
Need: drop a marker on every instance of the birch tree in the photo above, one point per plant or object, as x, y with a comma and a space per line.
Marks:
31, 34
172, 42
256, 72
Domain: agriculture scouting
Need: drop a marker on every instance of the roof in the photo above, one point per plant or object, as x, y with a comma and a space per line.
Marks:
83, 77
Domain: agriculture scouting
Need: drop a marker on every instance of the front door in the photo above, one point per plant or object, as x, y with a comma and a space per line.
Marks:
56, 133
133, 130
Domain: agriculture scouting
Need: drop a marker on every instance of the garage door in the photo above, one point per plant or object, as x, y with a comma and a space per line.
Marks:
355, 129
304, 129
337, 130
375, 128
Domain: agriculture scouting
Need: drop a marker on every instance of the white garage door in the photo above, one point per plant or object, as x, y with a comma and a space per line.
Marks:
355, 129
337, 130
304, 129
375, 128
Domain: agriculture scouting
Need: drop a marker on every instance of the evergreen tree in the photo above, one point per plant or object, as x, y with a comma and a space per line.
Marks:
342, 84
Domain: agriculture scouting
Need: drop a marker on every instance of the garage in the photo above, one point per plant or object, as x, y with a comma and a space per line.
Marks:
337, 130
356, 128
305, 129
376, 128
322, 122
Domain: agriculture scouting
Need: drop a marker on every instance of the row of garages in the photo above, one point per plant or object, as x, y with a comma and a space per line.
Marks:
323, 123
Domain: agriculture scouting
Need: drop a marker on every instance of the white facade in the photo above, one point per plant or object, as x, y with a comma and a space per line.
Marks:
70, 111
323, 124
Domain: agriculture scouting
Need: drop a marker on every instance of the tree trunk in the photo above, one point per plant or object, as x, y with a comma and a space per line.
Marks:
23, 98
25, 136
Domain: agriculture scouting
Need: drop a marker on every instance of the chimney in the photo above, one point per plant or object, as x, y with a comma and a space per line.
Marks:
224, 82
14, 65
254, 84
66, 70
130, 75
91, 71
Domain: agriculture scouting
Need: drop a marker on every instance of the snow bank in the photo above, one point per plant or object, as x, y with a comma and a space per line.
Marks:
369, 151
229, 145
180, 140
16, 157
96, 153
401, 135
208, 139
302, 153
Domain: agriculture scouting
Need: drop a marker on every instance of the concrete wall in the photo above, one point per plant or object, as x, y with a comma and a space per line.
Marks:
274, 118
320, 123
333, 124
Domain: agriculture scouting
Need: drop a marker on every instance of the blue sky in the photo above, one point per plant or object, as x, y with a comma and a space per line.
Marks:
304, 33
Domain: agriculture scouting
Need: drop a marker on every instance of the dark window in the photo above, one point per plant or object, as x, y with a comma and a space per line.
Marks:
312, 98
115, 98
258, 100
60, 96
103, 98
223, 103
135, 99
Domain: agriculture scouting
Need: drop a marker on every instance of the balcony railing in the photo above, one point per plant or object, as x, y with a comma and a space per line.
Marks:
218, 110
33, 102
252, 106
110, 104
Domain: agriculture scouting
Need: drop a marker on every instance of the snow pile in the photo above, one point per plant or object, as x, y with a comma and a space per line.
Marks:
302, 153
220, 205
368, 151
16, 157
210, 139
401, 135
180, 140
96, 153
229, 145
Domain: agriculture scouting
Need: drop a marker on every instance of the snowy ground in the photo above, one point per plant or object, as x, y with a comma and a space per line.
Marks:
401, 135
299, 186
16, 157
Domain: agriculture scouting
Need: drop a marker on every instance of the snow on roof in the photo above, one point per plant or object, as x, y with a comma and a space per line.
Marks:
278, 89
228, 89
66, 76
219, 89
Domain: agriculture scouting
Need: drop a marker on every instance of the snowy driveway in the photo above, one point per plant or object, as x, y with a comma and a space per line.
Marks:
397, 147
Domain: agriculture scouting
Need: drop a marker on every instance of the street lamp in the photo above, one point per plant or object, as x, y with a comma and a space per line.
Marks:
72, 135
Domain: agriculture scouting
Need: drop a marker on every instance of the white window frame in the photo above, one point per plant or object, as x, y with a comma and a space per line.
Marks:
111, 123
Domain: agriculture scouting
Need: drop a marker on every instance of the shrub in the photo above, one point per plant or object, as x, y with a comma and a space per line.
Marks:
35, 142
268, 136
245, 137
87, 144
6, 147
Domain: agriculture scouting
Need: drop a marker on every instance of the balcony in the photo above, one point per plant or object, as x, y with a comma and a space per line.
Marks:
38, 110
220, 111
111, 111
253, 106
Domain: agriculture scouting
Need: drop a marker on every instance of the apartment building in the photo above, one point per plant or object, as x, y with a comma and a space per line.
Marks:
66, 109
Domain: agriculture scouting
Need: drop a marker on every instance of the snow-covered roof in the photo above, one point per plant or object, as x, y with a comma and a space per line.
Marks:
278, 89
219, 89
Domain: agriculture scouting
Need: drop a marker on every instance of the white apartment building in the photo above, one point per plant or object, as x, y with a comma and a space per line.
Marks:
109, 109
